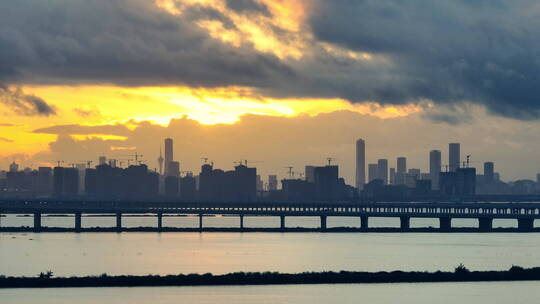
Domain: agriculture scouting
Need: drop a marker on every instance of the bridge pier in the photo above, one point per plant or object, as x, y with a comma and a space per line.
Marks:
118, 221
445, 223
485, 223
241, 222
364, 222
37, 221
78, 221
525, 224
282, 222
323, 222
405, 223
200, 222
160, 221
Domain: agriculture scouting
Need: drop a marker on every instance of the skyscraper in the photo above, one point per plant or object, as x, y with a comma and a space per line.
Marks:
489, 171
382, 170
401, 171
434, 168
173, 169
160, 162
453, 156
373, 172
401, 165
13, 167
168, 154
310, 174
272, 182
360, 164
392, 176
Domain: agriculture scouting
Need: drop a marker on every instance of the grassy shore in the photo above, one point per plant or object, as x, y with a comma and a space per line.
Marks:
461, 274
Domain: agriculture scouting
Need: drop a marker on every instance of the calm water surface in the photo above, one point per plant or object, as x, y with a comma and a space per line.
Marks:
191, 252
441, 293
140, 253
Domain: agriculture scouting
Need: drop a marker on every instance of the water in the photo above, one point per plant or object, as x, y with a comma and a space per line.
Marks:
139, 253
442, 293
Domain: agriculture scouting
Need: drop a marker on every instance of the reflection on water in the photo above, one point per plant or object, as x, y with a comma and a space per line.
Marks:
424, 293
189, 252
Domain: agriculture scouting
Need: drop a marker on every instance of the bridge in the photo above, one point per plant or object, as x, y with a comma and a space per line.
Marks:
485, 213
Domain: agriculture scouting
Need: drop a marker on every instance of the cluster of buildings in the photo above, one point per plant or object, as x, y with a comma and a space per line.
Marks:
456, 178
377, 180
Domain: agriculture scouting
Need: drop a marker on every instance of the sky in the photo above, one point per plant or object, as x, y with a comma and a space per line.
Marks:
279, 83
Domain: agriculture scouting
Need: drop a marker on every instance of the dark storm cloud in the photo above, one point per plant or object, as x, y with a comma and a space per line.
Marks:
23, 104
486, 52
127, 42
449, 52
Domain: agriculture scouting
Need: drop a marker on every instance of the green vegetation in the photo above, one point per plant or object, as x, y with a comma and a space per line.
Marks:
460, 274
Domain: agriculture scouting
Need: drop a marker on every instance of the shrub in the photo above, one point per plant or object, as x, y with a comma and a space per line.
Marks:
461, 269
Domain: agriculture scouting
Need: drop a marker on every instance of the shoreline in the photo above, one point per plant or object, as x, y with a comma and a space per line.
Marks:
461, 274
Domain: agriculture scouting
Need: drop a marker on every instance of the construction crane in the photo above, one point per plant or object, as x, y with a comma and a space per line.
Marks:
244, 162
88, 163
58, 162
300, 174
329, 160
186, 173
291, 173
135, 156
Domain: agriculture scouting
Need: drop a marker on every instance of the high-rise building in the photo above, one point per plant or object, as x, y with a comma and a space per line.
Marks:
272, 182
326, 182
360, 164
401, 171
489, 171
172, 186
392, 176
81, 168
44, 181
373, 172
160, 162
102, 160
13, 167
173, 169
260, 184
188, 187
453, 156
169, 157
382, 170
310, 174
401, 164
412, 176
434, 168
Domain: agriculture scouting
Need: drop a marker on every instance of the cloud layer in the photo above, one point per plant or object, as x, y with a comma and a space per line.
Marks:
385, 51
23, 104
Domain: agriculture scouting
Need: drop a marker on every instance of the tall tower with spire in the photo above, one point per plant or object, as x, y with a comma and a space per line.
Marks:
160, 162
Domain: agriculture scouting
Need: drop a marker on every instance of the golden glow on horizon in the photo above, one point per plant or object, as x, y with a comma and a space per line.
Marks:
94, 105
109, 105
81, 137
207, 106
